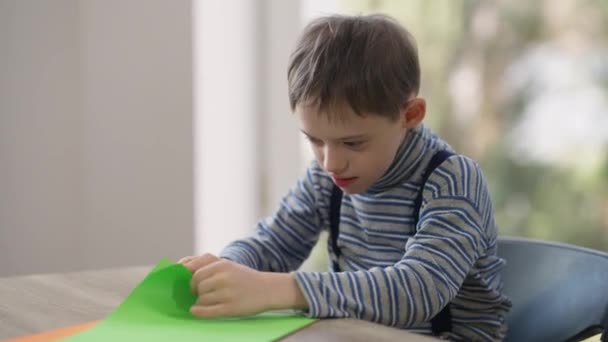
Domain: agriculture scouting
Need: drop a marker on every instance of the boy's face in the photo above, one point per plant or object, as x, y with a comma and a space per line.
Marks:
357, 150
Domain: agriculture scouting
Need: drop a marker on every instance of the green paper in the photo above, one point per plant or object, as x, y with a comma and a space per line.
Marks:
158, 310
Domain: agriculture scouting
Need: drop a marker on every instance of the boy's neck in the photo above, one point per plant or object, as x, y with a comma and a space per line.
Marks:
406, 161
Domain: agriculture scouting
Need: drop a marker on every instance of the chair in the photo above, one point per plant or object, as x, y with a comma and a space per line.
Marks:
559, 291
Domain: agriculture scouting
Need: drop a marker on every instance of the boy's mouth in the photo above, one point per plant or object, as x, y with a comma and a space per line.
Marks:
344, 182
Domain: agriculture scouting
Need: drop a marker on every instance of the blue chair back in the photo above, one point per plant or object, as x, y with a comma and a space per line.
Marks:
559, 291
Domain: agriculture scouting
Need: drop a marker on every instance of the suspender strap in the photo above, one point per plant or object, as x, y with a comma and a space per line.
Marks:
437, 159
334, 221
442, 322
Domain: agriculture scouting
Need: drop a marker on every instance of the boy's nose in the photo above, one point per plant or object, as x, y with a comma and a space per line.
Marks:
333, 162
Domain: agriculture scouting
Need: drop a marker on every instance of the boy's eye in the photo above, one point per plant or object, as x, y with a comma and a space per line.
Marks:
315, 141
353, 144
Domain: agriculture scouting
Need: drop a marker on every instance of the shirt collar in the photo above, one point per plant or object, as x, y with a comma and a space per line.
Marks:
412, 150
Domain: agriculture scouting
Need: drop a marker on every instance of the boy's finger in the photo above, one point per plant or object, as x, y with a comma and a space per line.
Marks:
204, 277
211, 311
201, 261
186, 259
209, 298
204, 283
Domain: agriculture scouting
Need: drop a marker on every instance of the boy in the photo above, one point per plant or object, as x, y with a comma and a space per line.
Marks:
413, 238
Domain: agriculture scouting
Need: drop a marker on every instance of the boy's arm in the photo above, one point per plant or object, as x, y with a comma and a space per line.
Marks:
283, 241
449, 240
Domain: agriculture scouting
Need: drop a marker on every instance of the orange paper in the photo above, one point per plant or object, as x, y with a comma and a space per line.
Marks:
54, 335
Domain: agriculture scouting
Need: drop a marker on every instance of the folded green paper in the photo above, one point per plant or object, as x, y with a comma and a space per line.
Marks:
158, 310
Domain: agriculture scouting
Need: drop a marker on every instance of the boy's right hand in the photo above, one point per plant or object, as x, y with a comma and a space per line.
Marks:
225, 288
196, 262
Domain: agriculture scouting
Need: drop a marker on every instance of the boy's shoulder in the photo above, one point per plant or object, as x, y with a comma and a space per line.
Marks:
456, 164
459, 176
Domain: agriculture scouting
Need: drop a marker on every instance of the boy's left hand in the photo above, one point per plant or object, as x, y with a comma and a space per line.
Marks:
225, 288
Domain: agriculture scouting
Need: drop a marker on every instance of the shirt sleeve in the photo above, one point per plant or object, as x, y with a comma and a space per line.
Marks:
450, 237
283, 241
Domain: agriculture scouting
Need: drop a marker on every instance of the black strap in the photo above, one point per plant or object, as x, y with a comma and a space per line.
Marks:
437, 159
334, 223
442, 322
604, 337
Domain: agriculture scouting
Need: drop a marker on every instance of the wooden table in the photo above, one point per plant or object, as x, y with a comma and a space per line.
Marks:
37, 303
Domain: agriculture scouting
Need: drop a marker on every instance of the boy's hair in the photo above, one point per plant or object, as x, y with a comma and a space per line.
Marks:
367, 62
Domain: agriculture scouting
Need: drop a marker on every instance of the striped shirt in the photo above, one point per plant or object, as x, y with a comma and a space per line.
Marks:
395, 272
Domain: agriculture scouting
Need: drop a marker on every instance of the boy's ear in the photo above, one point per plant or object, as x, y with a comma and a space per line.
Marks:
413, 112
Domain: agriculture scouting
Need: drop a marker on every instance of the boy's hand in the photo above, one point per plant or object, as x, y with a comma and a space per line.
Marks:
225, 288
194, 263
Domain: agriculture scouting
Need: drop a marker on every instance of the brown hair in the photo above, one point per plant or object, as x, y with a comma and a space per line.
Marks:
367, 62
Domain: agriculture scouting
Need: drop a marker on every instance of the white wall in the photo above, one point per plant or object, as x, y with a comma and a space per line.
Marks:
282, 162
98, 122
41, 155
96, 138
247, 144
226, 107
138, 130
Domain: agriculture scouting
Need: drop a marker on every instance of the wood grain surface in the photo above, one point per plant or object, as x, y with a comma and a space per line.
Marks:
37, 303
